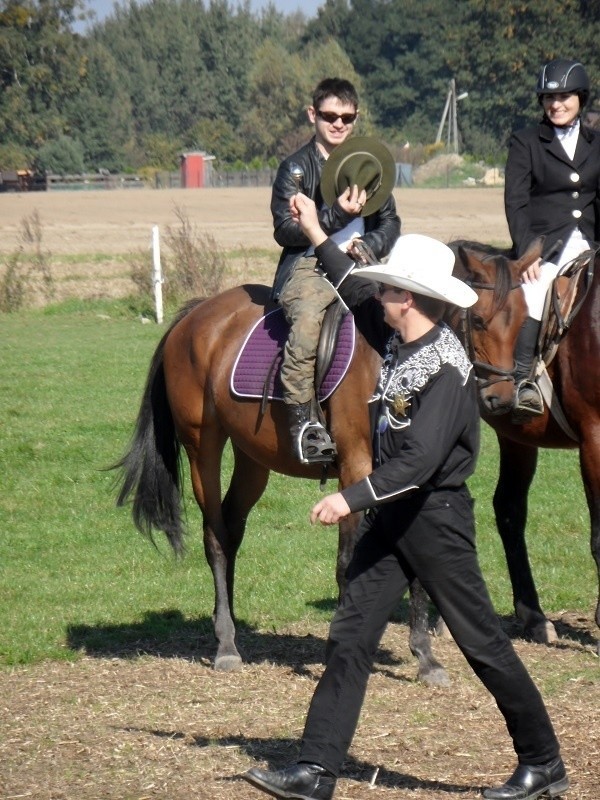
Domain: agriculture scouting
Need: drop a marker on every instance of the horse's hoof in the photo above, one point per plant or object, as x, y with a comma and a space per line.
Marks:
435, 677
542, 633
228, 663
442, 631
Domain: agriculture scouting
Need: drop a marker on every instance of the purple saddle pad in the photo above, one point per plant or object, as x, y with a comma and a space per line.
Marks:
262, 352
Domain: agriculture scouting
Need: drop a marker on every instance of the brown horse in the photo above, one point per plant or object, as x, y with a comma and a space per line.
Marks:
490, 329
188, 401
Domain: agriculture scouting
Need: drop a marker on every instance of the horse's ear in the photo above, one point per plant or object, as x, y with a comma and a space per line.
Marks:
469, 259
460, 261
533, 252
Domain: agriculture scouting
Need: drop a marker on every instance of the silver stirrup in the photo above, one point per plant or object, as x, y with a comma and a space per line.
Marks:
315, 445
536, 408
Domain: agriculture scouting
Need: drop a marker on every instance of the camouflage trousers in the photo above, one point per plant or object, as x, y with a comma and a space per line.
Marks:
304, 299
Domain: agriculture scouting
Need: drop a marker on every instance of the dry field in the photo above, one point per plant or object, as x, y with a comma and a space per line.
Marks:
119, 221
163, 725
90, 235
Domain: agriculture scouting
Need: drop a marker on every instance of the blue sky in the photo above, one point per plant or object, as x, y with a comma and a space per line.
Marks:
103, 7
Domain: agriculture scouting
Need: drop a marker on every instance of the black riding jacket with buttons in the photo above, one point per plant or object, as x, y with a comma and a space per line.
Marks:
381, 229
547, 194
424, 414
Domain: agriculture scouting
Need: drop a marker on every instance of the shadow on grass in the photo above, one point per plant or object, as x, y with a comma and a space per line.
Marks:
168, 634
280, 752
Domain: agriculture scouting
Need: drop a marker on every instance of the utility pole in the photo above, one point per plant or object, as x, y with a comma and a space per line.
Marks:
438, 138
450, 112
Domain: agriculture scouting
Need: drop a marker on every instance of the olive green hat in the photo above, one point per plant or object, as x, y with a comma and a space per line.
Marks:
364, 162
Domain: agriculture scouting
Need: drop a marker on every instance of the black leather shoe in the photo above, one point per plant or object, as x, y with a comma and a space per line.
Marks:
298, 782
530, 781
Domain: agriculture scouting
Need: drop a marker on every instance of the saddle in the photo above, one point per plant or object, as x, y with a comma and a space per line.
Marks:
564, 299
255, 373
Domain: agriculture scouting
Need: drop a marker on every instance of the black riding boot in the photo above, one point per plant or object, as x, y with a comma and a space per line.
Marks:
528, 399
311, 443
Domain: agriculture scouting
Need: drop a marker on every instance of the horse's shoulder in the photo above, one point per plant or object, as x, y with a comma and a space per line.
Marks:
256, 293
253, 297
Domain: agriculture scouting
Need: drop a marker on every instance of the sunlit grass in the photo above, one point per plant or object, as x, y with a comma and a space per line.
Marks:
71, 379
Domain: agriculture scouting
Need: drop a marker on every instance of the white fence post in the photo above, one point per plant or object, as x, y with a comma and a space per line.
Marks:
157, 278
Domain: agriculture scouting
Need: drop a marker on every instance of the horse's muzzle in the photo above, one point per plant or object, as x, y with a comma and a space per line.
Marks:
493, 406
496, 394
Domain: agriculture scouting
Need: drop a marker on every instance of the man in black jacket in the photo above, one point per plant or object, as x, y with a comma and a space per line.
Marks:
552, 189
299, 285
419, 521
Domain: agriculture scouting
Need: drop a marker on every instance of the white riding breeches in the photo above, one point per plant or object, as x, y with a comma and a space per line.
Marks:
535, 293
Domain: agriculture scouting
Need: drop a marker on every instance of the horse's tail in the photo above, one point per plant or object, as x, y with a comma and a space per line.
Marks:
151, 469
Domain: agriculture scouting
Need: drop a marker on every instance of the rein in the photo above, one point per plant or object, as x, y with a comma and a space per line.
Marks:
485, 374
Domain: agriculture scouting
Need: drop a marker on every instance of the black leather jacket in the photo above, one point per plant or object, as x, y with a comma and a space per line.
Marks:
381, 229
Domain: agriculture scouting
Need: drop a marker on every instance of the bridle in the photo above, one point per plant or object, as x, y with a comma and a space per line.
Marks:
485, 374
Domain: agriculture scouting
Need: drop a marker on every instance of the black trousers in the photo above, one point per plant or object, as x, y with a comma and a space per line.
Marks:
431, 537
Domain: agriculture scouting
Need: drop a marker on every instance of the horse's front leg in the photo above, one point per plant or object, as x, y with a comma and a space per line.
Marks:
347, 537
517, 468
589, 457
431, 671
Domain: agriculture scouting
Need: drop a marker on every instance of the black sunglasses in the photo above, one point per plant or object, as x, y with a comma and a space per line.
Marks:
386, 287
332, 116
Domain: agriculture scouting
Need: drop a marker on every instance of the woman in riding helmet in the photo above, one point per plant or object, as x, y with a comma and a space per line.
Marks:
552, 189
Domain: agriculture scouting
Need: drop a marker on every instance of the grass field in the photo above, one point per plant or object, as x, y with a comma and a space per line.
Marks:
76, 575
106, 644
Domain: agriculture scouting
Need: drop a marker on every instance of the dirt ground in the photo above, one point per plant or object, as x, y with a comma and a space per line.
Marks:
165, 726
121, 220
93, 237
159, 723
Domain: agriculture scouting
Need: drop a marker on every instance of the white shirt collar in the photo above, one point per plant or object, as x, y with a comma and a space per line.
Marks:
570, 130
568, 138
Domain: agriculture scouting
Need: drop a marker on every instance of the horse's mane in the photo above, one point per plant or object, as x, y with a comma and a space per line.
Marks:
500, 257
185, 309
182, 312
480, 247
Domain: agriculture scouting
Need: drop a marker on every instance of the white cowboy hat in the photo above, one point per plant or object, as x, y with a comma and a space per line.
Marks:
422, 265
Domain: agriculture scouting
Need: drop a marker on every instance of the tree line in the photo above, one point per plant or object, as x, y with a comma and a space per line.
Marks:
159, 77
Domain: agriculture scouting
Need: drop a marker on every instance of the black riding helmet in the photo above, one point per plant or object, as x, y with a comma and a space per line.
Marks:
562, 75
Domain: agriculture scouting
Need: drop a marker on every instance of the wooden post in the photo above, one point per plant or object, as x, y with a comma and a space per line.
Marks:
438, 138
454, 118
157, 278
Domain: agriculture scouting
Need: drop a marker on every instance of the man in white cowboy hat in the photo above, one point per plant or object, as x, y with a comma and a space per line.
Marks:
299, 286
419, 520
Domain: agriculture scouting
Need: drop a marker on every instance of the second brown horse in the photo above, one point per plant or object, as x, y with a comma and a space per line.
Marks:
188, 402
